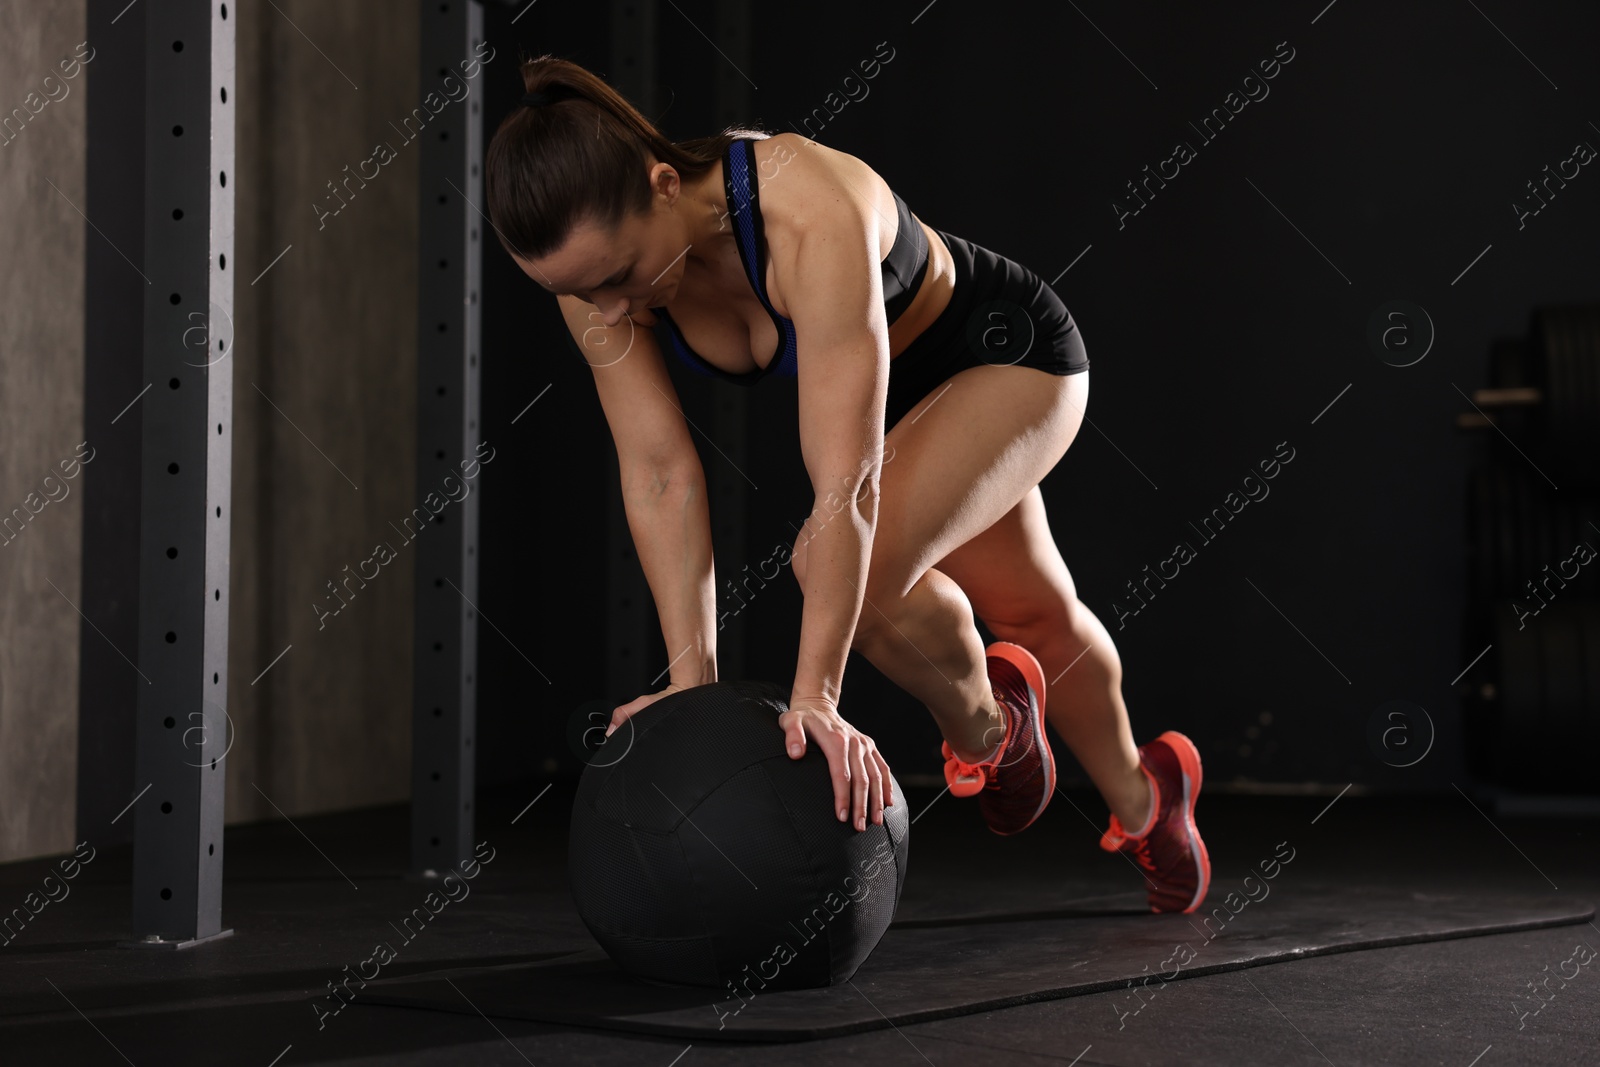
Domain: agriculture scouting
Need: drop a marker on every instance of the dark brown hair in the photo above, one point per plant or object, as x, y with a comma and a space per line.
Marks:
580, 158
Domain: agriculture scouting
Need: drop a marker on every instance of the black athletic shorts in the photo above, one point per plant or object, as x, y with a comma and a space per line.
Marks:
1000, 313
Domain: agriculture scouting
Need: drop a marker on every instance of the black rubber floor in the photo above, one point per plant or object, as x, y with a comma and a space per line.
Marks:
938, 971
305, 910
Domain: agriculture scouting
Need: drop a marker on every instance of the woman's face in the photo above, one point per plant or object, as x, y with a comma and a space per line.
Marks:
623, 271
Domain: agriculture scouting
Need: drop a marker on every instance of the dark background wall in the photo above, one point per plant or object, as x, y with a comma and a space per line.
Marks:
1223, 319
1226, 319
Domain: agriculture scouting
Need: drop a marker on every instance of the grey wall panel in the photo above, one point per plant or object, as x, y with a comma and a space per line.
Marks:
326, 370
251, 632
41, 422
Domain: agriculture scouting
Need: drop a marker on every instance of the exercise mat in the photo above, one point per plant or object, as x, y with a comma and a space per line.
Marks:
928, 969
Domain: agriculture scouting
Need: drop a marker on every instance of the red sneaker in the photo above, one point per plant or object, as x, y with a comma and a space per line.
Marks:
1014, 785
1177, 868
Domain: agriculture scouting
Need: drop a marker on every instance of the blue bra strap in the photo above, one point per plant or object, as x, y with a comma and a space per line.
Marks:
745, 207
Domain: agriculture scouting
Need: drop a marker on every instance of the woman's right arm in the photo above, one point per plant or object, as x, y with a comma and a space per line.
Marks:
663, 487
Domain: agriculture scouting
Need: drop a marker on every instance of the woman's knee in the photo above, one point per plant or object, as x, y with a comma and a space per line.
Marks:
797, 563
1060, 628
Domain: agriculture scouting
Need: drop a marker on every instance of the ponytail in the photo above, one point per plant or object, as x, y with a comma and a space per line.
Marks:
581, 156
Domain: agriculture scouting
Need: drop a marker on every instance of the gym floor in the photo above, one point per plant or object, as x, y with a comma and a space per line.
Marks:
306, 900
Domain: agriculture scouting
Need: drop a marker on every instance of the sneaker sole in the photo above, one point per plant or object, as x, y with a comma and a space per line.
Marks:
1033, 674
1189, 760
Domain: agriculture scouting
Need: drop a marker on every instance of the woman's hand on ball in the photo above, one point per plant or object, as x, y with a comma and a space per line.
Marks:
633, 707
859, 771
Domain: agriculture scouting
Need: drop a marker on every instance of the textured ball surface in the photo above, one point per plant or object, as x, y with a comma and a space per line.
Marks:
702, 854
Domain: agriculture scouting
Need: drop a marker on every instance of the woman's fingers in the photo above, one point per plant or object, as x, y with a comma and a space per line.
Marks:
860, 782
626, 712
888, 788
794, 735
875, 770
638, 704
859, 773
618, 717
833, 744
839, 770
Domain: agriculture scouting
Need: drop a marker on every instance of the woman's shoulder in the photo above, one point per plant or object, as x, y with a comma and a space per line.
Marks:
810, 192
804, 185
793, 169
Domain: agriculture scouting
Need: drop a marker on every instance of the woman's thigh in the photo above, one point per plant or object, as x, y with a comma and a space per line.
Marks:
981, 407
963, 458
1013, 574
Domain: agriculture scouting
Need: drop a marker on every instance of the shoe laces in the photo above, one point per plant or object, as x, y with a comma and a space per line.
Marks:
1117, 839
957, 769
1141, 853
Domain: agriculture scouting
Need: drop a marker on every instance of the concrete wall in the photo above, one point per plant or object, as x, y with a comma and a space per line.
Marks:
325, 407
41, 422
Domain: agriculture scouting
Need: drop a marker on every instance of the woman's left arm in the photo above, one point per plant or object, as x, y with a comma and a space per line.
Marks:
834, 298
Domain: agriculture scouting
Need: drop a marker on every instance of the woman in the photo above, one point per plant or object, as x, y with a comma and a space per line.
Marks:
752, 255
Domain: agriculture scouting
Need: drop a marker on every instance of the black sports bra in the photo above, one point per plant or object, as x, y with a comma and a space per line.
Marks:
903, 269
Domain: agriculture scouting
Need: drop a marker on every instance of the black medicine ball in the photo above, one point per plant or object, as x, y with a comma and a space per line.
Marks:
702, 854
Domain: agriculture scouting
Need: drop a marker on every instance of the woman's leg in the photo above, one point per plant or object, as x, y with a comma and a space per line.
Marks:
962, 459
1019, 586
